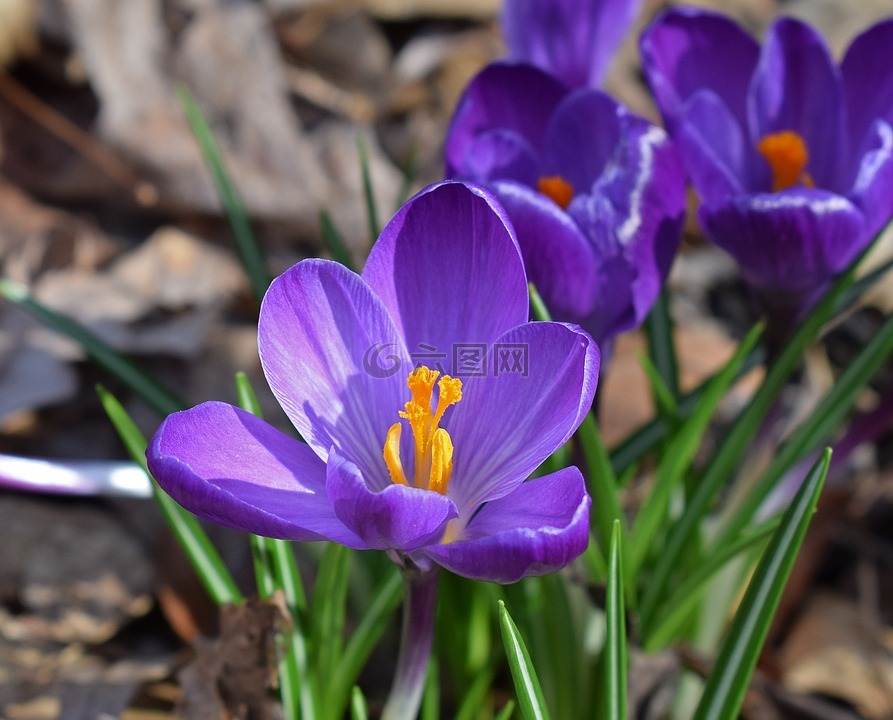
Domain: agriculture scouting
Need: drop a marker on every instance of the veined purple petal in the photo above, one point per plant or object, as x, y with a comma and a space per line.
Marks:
582, 138
395, 518
798, 87
449, 270
229, 467
686, 50
872, 189
558, 257
540, 527
335, 361
790, 240
499, 97
572, 39
508, 422
501, 154
867, 80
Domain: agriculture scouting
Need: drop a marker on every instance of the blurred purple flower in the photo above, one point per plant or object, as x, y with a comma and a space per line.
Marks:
596, 194
434, 471
791, 154
573, 40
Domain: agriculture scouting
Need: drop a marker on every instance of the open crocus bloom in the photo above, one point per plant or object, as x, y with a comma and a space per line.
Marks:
573, 40
790, 153
425, 397
595, 193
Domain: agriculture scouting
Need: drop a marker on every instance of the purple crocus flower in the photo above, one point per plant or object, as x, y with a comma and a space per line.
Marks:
596, 194
429, 465
573, 40
791, 154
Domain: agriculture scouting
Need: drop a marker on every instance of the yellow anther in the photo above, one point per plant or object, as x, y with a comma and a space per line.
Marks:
433, 445
788, 156
557, 189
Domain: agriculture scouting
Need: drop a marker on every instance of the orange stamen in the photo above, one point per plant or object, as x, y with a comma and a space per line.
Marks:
557, 189
788, 156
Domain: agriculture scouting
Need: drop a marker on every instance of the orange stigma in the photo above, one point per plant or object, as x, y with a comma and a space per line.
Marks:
787, 156
557, 189
433, 444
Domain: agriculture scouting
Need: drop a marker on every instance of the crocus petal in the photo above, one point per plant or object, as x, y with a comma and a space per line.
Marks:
872, 189
867, 80
491, 101
395, 518
229, 467
797, 86
686, 50
334, 361
501, 154
557, 255
539, 528
789, 240
572, 39
508, 422
449, 269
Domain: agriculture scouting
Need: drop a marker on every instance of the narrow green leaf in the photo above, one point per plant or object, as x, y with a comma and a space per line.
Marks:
601, 481
431, 698
371, 627
246, 243
334, 242
474, 695
358, 709
506, 711
663, 395
204, 558
679, 454
738, 655
368, 194
615, 639
150, 390
537, 304
527, 685
661, 348
327, 609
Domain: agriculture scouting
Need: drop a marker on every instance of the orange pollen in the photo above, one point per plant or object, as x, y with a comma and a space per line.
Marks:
557, 189
433, 445
788, 157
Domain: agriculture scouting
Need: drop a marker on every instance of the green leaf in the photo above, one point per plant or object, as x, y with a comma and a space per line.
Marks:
334, 242
527, 685
679, 454
358, 709
537, 306
474, 695
150, 390
246, 243
727, 684
204, 558
431, 697
506, 711
327, 609
615, 639
663, 396
368, 194
661, 348
601, 481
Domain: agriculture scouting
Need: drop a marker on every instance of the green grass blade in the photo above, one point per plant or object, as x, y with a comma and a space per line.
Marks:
506, 711
334, 242
246, 243
602, 482
470, 707
527, 685
327, 610
358, 709
537, 305
615, 639
150, 390
204, 557
663, 396
661, 348
679, 454
368, 194
431, 698
727, 684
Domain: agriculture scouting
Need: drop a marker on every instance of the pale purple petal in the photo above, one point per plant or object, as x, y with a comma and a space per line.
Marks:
797, 87
335, 361
502, 96
395, 518
558, 257
229, 467
540, 527
507, 422
449, 269
572, 39
500, 154
686, 50
872, 189
867, 80
790, 240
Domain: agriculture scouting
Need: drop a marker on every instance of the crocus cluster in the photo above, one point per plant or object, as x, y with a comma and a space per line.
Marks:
790, 153
424, 458
596, 194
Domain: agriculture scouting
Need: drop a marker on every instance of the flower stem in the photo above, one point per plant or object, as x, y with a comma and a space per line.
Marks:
419, 606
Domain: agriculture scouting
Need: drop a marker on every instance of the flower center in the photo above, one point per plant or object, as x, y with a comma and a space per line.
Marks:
433, 445
787, 156
557, 189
